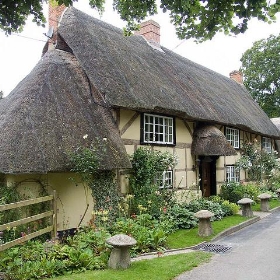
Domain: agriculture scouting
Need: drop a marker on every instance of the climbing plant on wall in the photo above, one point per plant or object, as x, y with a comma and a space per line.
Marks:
258, 163
86, 162
148, 166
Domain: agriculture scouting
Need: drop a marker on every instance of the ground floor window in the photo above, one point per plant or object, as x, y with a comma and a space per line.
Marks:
232, 173
165, 180
266, 144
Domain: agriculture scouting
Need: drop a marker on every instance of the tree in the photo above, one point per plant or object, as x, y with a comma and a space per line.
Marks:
261, 70
199, 19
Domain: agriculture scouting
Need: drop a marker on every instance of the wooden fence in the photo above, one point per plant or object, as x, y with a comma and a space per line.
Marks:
51, 228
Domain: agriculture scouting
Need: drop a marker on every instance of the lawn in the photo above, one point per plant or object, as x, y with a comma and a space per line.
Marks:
166, 267
186, 238
163, 268
273, 203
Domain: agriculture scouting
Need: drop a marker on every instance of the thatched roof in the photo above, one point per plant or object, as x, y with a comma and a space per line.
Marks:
208, 140
276, 121
70, 93
46, 116
131, 74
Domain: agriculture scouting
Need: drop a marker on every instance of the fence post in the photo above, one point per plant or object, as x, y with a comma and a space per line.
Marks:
54, 232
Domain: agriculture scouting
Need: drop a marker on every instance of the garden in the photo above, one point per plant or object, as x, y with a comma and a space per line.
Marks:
148, 213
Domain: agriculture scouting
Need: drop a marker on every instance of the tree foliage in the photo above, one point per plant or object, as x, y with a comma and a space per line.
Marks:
261, 70
199, 19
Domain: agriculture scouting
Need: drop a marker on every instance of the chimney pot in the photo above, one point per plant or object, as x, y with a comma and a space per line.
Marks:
151, 31
237, 76
55, 13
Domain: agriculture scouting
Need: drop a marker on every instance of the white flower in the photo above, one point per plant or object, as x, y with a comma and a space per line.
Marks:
85, 136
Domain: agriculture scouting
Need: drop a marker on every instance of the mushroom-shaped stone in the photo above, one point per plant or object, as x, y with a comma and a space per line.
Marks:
246, 206
120, 257
264, 197
278, 192
204, 224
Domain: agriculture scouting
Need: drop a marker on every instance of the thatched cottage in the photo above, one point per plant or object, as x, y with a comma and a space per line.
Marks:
131, 91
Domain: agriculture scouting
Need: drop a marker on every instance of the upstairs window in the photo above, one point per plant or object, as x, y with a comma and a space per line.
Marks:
158, 129
232, 174
232, 135
266, 144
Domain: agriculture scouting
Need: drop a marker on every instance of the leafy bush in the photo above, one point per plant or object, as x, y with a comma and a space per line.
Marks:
205, 204
87, 250
236, 191
149, 233
147, 166
180, 217
258, 163
229, 208
273, 183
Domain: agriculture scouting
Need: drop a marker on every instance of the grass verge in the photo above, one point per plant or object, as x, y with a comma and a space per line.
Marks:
273, 203
163, 268
185, 238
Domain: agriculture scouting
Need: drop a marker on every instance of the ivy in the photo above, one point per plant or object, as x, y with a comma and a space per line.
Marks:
86, 162
147, 166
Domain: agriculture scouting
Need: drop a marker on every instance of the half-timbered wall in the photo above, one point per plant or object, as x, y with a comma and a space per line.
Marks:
186, 171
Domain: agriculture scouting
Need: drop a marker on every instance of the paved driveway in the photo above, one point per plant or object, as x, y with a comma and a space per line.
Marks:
255, 254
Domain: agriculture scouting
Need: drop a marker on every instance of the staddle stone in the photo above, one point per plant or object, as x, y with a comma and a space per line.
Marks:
120, 257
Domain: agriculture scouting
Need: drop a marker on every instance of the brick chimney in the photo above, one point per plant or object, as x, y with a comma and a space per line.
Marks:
237, 76
151, 31
55, 13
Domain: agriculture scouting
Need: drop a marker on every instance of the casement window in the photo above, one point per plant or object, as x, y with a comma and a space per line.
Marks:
266, 144
232, 135
165, 179
232, 173
158, 129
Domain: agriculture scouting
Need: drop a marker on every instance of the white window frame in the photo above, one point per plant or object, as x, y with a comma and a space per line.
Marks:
233, 136
232, 174
165, 180
158, 129
267, 144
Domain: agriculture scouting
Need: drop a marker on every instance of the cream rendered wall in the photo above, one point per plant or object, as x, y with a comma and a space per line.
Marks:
73, 196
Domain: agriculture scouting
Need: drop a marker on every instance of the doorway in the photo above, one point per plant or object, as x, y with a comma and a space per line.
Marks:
207, 174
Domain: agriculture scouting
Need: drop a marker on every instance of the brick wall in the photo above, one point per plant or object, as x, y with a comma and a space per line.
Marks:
150, 30
237, 76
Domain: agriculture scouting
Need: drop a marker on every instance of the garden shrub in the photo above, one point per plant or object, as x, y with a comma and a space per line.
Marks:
235, 191
149, 233
87, 250
147, 166
229, 208
273, 182
180, 217
257, 162
205, 204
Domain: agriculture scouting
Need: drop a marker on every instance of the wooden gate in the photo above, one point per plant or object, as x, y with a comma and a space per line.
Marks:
50, 228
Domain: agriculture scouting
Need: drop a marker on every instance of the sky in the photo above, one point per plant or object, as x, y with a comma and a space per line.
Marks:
19, 53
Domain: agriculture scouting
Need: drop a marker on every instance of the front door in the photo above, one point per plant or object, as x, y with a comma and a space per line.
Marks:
207, 172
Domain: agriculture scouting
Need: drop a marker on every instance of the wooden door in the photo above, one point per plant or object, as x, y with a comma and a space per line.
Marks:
207, 174
206, 179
